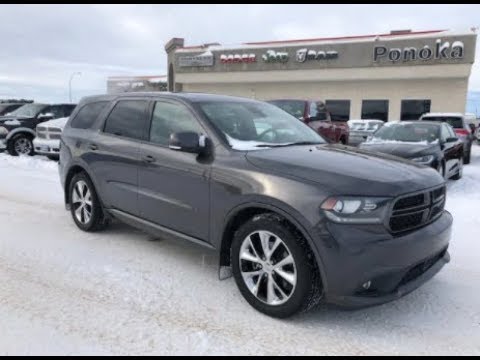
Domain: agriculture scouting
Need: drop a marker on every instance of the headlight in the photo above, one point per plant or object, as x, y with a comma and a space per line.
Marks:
423, 159
3, 131
355, 210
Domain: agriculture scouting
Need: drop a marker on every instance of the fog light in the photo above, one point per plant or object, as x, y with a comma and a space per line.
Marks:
366, 286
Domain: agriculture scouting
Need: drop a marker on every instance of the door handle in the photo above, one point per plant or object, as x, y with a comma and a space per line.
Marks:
93, 147
148, 159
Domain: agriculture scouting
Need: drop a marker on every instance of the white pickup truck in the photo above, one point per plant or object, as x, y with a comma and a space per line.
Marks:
47, 141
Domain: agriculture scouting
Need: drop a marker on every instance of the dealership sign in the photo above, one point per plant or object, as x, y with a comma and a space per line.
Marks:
305, 54
442, 50
205, 59
237, 58
273, 56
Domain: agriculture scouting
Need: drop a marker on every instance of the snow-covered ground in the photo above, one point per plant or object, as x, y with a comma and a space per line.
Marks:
63, 291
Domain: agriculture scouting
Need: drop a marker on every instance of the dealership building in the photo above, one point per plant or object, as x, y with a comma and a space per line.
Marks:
121, 84
393, 76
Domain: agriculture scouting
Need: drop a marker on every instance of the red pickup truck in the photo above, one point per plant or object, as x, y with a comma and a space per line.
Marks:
315, 114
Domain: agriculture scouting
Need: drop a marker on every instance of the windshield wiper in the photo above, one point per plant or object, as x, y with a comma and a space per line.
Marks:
291, 144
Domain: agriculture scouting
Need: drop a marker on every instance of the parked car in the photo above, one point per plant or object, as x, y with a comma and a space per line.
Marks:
314, 114
5, 108
47, 141
17, 130
460, 125
360, 130
433, 144
296, 219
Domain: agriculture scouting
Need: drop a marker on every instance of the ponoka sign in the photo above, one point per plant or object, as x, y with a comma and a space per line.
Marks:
442, 50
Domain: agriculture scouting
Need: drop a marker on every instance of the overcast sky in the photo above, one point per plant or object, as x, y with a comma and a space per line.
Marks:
42, 45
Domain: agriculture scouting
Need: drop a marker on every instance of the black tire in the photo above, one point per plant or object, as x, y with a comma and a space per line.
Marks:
307, 292
52, 157
466, 157
459, 173
26, 138
343, 141
97, 219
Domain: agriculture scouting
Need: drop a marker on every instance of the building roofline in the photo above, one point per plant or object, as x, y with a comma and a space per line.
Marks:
391, 35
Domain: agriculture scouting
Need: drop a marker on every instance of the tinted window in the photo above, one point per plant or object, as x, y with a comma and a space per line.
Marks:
87, 115
451, 131
171, 118
375, 109
293, 107
127, 119
413, 109
56, 110
68, 109
445, 133
339, 109
453, 121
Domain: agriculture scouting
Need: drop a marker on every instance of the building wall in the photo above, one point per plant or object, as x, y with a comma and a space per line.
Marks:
446, 95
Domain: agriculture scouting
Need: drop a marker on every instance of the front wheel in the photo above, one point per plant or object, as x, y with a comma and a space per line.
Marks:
274, 268
20, 144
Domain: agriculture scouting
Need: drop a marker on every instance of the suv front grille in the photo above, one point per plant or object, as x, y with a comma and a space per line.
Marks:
51, 133
412, 211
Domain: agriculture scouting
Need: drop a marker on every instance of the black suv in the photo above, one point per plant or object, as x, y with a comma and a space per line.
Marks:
17, 129
295, 219
5, 108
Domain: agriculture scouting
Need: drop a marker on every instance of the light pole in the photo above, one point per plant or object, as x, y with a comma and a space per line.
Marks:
70, 84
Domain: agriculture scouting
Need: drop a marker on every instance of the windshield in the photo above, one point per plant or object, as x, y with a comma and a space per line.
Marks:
293, 107
255, 125
407, 133
29, 110
455, 122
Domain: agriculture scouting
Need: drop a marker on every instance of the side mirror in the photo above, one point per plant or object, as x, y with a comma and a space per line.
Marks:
451, 139
188, 141
46, 116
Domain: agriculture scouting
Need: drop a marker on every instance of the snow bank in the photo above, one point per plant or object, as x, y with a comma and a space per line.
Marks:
28, 162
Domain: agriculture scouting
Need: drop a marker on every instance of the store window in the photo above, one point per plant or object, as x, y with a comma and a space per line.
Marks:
413, 109
339, 109
375, 109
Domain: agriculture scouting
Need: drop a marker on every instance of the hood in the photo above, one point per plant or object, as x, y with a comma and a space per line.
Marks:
58, 123
401, 149
346, 170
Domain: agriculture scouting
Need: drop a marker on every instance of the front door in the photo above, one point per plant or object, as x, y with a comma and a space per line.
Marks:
173, 186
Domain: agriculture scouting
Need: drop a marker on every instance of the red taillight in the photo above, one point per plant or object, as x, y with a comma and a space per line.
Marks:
462, 132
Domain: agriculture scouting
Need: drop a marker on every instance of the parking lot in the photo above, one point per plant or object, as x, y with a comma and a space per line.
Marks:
123, 292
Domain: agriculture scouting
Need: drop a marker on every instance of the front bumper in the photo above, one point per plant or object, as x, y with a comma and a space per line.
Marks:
353, 256
46, 147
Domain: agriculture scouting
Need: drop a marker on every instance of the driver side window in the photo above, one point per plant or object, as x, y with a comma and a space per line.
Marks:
444, 133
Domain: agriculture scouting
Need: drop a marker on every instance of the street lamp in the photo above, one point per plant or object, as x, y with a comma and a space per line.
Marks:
70, 84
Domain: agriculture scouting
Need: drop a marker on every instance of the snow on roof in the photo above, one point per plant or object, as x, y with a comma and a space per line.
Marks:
456, 114
327, 40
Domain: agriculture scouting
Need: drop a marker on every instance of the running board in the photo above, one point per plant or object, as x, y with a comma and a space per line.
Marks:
156, 229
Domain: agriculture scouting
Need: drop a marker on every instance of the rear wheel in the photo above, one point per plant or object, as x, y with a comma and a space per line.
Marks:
273, 267
85, 206
20, 144
459, 173
343, 140
466, 157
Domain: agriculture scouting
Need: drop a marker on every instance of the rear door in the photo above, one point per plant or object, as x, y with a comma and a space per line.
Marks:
173, 185
113, 154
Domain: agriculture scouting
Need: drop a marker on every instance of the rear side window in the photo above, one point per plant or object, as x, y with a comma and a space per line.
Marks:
87, 115
127, 119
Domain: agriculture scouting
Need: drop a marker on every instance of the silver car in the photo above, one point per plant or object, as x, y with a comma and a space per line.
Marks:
361, 129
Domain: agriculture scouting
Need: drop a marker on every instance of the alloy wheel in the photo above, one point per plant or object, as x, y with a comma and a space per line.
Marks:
22, 146
268, 268
82, 202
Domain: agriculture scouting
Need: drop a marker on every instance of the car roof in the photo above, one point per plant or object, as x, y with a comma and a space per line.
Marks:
189, 96
413, 122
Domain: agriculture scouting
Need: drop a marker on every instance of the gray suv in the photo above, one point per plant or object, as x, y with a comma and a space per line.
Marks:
295, 220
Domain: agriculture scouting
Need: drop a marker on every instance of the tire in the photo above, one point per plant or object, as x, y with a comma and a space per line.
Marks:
20, 144
343, 141
286, 299
52, 157
459, 173
441, 169
466, 157
96, 220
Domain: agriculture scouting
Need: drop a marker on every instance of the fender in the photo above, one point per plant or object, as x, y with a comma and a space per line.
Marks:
79, 163
291, 215
20, 130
